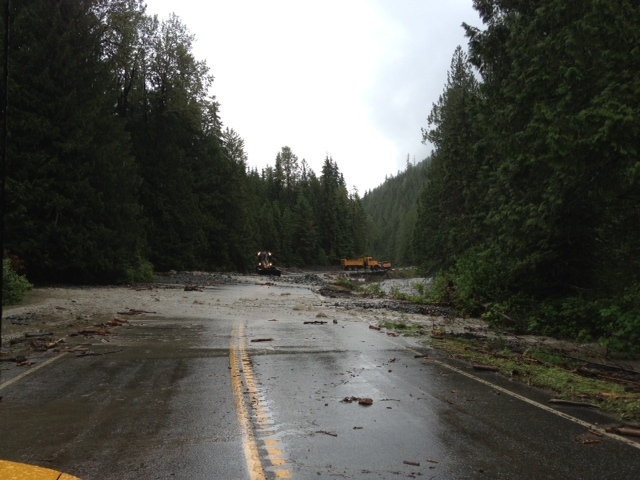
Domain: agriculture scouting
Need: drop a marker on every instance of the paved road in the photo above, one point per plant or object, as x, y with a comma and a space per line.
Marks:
249, 391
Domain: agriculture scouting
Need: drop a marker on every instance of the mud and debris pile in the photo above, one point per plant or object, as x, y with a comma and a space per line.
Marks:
203, 279
398, 306
211, 279
350, 301
310, 279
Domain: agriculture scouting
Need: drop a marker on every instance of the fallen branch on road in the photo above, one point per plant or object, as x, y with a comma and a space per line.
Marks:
361, 401
91, 332
626, 431
486, 368
573, 403
193, 288
133, 311
90, 353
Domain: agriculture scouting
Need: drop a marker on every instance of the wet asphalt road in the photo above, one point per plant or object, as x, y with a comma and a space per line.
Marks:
250, 391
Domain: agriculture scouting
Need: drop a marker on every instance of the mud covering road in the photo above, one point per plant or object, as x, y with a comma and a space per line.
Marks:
59, 318
60, 314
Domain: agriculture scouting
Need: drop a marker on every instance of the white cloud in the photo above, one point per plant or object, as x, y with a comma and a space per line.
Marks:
354, 80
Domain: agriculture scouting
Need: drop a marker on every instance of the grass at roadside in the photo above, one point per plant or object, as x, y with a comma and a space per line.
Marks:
406, 329
542, 369
539, 368
372, 286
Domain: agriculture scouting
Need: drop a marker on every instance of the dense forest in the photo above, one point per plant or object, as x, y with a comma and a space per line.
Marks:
392, 210
118, 162
527, 211
531, 210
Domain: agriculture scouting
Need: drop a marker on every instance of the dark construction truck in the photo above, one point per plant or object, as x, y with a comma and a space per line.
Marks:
266, 264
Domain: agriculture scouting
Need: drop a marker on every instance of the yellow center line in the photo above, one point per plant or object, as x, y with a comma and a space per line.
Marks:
248, 440
255, 406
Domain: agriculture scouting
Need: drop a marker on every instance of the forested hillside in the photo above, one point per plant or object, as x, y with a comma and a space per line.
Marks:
392, 212
118, 162
528, 211
531, 212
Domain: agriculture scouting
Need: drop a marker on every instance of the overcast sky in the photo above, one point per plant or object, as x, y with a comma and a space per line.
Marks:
351, 79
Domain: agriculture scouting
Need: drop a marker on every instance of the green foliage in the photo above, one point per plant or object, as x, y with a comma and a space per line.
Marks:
442, 290
548, 370
118, 159
545, 356
420, 288
526, 212
403, 327
619, 322
304, 219
72, 211
415, 299
142, 272
346, 283
450, 201
391, 213
530, 211
14, 286
374, 289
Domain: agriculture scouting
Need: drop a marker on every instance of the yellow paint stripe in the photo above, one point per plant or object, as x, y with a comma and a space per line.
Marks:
262, 418
250, 448
21, 471
32, 370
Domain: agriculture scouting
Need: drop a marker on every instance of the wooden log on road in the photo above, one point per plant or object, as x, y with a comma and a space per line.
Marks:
486, 368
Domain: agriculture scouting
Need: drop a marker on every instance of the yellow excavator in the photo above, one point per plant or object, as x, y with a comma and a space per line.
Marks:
266, 264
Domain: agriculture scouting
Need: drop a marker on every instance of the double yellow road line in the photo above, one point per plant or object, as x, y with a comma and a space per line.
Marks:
242, 381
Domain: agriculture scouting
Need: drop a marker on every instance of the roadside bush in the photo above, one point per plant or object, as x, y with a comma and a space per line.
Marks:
140, 273
620, 322
346, 284
375, 289
442, 290
14, 286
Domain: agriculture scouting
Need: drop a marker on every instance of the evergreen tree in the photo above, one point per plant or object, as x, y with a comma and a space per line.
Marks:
447, 204
390, 216
542, 219
335, 238
561, 132
72, 212
176, 153
305, 236
287, 175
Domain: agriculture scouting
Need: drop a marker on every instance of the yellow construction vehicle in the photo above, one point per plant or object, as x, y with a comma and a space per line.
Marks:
368, 263
266, 264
